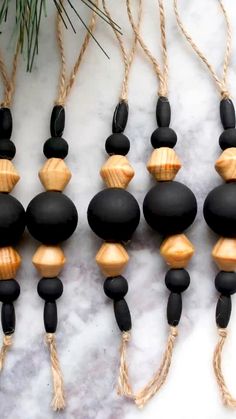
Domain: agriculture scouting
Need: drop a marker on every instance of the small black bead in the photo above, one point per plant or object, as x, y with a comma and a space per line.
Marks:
57, 123
225, 282
117, 144
163, 137
5, 123
116, 287
8, 318
174, 309
163, 112
223, 311
122, 315
227, 113
228, 138
56, 147
177, 280
120, 117
50, 289
9, 290
7, 149
12, 220
50, 317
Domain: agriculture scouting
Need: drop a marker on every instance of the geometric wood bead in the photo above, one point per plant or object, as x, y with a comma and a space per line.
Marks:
117, 172
49, 260
54, 174
164, 164
112, 258
8, 176
224, 254
10, 261
177, 251
226, 164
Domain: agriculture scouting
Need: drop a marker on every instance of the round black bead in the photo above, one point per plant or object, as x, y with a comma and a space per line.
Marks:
225, 282
227, 113
12, 220
117, 144
177, 280
223, 311
5, 123
57, 123
55, 147
50, 316
8, 318
174, 309
163, 137
120, 117
113, 214
7, 149
51, 217
9, 290
220, 210
122, 315
50, 289
116, 287
170, 207
163, 112
228, 138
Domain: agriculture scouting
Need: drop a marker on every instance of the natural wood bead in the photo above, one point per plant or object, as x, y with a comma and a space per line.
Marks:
224, 254
10, 262
55, 175
49, 260
226, 164
8, 176
177, 250
164, 163
117, 172
112, 259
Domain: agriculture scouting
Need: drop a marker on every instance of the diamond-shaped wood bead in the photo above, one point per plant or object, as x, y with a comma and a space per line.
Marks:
112, 258
226, 164
10, 262
164, 164
177, 250
49, 260
117, 172
8, 176
55, 174
224, 254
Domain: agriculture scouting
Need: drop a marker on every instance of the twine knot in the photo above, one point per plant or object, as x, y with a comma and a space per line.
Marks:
126, 336
173, 331
223, 333
49, 338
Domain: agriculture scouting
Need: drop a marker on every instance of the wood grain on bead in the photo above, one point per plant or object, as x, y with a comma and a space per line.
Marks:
49, 260
10, 262
117, 172
226, 164
8, 176
177, 250
55, 175
224, 254
164, 164
112, 259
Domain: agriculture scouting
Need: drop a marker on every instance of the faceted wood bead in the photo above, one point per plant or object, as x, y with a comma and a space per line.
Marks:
164, 164
117, 172
112, 259
177, 250
55, 175
226, 164
8, 176
49, 260
224, 254
10, 262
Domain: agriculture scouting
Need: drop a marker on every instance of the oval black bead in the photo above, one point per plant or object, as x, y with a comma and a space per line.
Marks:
122, 315
51, 217
50, 316
177, 280
7, 149
228, 138
174, 309
55, 147
116, 287
170, 207
50, 289
163, 112
8, 318
227, 113
117, 144
220, 210
12, 220
223, 311
163, 137
225, 282
9, 290
5, 123
57, 123
113, 214
120, 117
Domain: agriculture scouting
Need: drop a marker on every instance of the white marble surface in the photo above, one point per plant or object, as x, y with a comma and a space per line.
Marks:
88, 337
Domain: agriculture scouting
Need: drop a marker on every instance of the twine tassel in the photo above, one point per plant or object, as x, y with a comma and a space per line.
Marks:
7, 342
124, 387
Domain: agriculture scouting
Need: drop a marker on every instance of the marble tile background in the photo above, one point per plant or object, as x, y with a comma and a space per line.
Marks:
88, 337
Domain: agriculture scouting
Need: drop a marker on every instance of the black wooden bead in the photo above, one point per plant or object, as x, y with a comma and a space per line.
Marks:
225, 282
223, 311
120, 117
9, 290
122, 315
177, 280
5, 123
50, 316
117, 144
174, 309
163, 112
113, 214
12, 220
55, 147
50, 289
7, 149
51, 217
228, 138
116, 287
163, 137
170, 207
220, 210
57, 123
227, 113
8, 318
